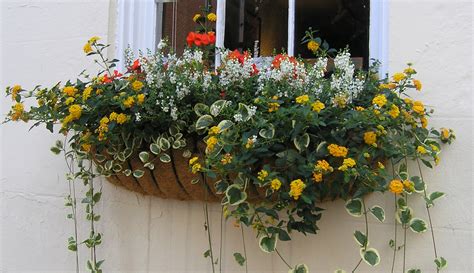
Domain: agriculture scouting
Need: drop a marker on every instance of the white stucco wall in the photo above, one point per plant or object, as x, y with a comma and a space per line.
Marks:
41, 43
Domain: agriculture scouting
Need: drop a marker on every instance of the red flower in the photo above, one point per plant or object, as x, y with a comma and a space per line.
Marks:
255, 70
204, 39
190, 39
212, 37
200, 39
136, 65
108, 79
281, 57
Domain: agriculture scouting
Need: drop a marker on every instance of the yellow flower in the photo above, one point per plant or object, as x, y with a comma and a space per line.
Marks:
128, 102
113, 116
370, 137
303, 99
424, 122
15, 90
317, 106
340, 101
417, 84
196, 17
214, 130
394, 111
437, 159
104, 121
399, 76
418, 107
348, 163
69, 100
140, 98
337, 151
421, 150
275, 184
66, 120
317, 177
409, 70
250, 143
212, 17
273, 106
380, 165
99, 91
137, 85
408, 100
409, 185
196, 168
87, 48
434, 148
211, 143
313, 46
387, 85
323, 166
86, 147
94, 39
121, 118
18, 110
75, 110
262, 175
379, 100
396, 186
87, 93
359, 108
296, 188
445, 133
226, 159
193, 160
70, 91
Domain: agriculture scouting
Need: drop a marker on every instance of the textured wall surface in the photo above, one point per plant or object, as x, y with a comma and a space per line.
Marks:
41, 42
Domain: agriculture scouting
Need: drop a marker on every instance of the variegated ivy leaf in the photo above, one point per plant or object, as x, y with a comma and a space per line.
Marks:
268, 244
370, 256
99, 158
433, 196
201, 109
165, 158
204, 122
217, 107
138, 173
173, 130
267, 133
144, 156
418, 225
378, 212
441, 263
127, 172
301, 142
235, 195
164, 144
299, 268
354, 207
320, 146
155, 149
149, 165
225, 124
187, 153
361, 239
239, 258
404, 215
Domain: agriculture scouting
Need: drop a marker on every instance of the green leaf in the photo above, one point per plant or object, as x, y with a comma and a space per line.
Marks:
354, 207
370, 256
320, 146
419, 185
361, 239
301, 142
418, 225
127, 172
441, 263
299, 268
165, 158
164, 144
201, 109
404, 215
155, 149
235, 195
138, 173
149, 165
414, 271
267, 244
217, 107
435, 195
204, 122
267, 133
207, 253
55, 150
239, 258
378, 212
225, 124
144, 156
244, 110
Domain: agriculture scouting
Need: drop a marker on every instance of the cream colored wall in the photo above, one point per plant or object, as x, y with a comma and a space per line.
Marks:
41, 43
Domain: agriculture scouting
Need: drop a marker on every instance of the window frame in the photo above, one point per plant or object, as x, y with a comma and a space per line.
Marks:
143, 16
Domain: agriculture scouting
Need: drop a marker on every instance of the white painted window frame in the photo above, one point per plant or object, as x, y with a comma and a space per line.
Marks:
137, 27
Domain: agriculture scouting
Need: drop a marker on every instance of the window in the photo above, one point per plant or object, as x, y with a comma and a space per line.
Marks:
264, 25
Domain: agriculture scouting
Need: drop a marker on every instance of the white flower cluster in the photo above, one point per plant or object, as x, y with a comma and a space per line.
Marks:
233, 72
289, 73
343, 81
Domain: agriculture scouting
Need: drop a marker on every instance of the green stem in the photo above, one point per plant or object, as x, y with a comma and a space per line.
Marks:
405, 227
220, 243
366, 234
208, 229
245, 249
428, 212
395, 231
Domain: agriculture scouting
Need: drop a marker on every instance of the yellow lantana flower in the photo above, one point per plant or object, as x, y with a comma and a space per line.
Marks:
370, 137
296, 188
128, 102
70, 91
113, 116
409, 70
94, 39
193, 160
214, 130
262, 175
211, 143
348, 163
196, 17
337, 151
303, 99
399, 76
140, 98
87, 48
417, 84
87, 93
317, 106
15, 90
212, 17
69, 100
396, 186
323, 166
394, 111
226, 159
424, 122
121, 118
313, 46
421, 150
317, 177
379, 100
18, 110
275, 184
418, 107
273, 106
75, 111
137, 85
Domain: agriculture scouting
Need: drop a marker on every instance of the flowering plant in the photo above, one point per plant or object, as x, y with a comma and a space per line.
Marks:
279, 136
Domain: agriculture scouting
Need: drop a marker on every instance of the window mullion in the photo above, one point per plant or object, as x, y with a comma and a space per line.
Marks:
220, 29
291, 27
